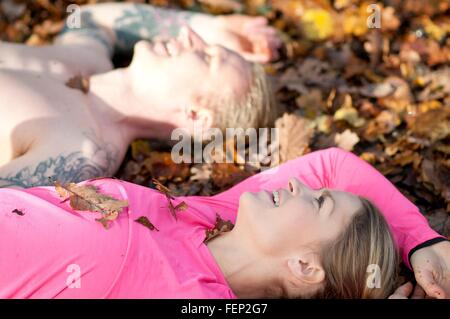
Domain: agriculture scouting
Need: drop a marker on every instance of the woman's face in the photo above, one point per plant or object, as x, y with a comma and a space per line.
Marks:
304, 217
187, 66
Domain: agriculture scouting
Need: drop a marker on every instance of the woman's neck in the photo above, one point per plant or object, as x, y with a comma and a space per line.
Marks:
248, 274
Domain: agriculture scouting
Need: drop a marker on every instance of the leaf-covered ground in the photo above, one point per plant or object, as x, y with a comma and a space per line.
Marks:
383, 93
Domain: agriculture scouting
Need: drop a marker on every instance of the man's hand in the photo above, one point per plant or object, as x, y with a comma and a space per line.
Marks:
251, 37
431, 267
405, 290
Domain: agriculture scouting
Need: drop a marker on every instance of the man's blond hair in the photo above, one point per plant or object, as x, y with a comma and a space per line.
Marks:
256, 109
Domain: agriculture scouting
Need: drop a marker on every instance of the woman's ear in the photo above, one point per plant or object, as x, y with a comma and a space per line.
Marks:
306, 268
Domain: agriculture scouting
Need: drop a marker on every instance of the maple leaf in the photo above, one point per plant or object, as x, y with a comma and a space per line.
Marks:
88, 198
143, 220
221, 226
295, 133
346, 140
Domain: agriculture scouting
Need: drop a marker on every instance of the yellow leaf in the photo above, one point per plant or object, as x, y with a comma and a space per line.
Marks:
348, 113
317, 24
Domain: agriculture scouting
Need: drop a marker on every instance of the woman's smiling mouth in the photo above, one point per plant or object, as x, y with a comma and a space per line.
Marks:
276, 198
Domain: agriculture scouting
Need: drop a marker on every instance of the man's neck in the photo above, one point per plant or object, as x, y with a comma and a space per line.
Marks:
114, 103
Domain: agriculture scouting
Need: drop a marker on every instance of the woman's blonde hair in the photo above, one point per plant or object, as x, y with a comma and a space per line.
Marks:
363, 261
254, 110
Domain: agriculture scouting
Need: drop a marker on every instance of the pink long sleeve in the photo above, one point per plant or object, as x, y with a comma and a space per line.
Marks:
338, 169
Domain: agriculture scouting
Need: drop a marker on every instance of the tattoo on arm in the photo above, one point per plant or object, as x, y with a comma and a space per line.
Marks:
144, 22
88, 28
136, 22
73, 167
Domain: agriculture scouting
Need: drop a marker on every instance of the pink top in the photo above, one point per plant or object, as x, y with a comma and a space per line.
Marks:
52, 251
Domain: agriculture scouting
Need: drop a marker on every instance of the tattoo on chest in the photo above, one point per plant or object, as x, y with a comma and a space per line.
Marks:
143, 22
67, 167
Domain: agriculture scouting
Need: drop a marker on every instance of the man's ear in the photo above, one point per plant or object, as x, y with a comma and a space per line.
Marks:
306, 268
199, 116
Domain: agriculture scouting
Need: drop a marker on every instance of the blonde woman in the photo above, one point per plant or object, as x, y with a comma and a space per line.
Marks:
50, 129
302, 230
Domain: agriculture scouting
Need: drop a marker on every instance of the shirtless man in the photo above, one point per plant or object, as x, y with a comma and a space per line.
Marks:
50, 131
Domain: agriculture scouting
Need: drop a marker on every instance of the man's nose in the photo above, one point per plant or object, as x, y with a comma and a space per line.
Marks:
195, 40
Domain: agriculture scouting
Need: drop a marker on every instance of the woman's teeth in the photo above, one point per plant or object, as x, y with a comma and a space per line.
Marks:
276, 198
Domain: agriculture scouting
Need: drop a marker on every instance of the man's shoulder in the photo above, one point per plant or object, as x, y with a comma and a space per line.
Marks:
64, 157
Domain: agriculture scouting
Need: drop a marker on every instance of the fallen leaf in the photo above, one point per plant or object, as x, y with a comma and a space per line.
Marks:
346, 140
225, 175
88, 198
18, 212
143, 220
318, 24
162, 167
173, 209
79, 82
140, 149
433, 125
348, 113
163, 189
221, 226
295, 133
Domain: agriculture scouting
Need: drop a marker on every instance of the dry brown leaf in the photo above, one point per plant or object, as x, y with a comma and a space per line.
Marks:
162, 167
225, 175
143, 220
163, 189
220, 227
79, 82
433, 125
167, 192
295, 133
88, 198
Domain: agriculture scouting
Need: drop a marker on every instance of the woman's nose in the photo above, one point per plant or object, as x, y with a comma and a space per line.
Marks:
295, 186
298, 188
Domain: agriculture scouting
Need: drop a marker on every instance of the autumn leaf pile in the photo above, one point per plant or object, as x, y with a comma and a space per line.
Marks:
383, 93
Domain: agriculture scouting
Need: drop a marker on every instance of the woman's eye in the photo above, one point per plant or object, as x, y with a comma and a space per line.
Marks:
320, 200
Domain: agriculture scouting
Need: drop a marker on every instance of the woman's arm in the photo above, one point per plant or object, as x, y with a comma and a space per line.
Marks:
338, 169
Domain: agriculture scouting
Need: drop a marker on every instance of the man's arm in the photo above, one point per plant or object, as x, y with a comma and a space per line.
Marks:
43, 165
118, 26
